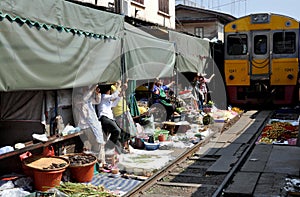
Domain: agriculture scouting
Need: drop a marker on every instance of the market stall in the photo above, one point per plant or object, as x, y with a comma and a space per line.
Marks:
44, 54
282, 129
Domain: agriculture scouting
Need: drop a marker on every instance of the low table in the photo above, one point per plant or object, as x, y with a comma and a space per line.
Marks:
175, 127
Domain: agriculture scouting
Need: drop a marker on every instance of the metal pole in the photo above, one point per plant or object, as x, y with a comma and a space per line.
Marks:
123, 79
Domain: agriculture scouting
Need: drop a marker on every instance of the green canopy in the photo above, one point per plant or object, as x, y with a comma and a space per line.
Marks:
192, 52
57, 45
147, 57
64, 14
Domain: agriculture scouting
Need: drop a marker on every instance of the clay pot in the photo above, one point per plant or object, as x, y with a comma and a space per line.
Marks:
161, 137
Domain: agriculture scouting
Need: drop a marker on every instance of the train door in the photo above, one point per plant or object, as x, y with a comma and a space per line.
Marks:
260, 65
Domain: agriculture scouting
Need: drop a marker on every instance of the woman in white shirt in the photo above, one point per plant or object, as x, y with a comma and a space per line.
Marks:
106, 117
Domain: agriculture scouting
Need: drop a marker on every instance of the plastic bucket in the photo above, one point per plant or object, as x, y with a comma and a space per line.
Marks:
83, 173
26, 170
47, 171
157, 133
45, 180
161, 137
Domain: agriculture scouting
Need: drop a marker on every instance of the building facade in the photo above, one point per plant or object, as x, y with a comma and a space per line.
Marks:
201, 22
158, 12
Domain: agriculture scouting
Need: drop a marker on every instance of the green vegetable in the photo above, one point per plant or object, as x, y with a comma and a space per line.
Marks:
208, 120
83, 190
179, 109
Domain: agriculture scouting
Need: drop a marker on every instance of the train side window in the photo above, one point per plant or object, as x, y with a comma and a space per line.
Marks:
260, 43
284, 42
237, 44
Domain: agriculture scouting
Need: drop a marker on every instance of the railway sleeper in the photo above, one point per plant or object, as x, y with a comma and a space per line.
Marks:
197, 167
194, 178
203, 158
176, 190
186, 184
198, 175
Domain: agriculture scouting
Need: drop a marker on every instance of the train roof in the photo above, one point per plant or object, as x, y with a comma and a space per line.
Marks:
268, 13
260, 21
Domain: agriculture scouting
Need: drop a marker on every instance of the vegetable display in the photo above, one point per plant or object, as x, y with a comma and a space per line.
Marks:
83, 190
278, 131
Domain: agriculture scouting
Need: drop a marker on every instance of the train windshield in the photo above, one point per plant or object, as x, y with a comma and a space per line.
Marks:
237, 44
284, 42
260, 43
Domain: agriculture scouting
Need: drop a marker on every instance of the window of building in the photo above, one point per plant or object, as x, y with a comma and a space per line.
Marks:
237, 44
284, 42
163, 6
199, 32
139, 1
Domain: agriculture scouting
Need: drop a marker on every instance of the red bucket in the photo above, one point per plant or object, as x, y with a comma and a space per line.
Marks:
47, 171
45, 180
82, 166
26, 170
84, 173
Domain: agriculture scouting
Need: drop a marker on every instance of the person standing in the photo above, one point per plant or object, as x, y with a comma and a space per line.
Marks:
159, 96
198, 94
85, 117
106, 117
123, 116
204, 81
201, 90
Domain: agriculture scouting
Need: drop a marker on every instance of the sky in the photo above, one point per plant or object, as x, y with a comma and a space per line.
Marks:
240, 8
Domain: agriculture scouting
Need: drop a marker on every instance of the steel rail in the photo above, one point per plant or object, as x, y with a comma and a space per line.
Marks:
235, 168
168, 168
151, 181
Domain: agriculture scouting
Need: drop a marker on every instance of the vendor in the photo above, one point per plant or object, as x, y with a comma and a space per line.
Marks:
200, 89
85, 117
159, 96
106, 117
204, 81
123, 116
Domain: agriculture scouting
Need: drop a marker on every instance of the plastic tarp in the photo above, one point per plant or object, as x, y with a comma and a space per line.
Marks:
147, 57
192, 52
21, 105
64, 14
57, 45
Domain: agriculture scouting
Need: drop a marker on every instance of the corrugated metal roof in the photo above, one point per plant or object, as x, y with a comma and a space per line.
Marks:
219, 15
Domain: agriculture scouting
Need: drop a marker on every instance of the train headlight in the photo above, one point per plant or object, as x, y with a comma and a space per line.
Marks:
290, 76
231, 77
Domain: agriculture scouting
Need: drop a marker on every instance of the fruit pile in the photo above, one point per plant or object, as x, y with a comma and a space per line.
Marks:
81, 159
278, 131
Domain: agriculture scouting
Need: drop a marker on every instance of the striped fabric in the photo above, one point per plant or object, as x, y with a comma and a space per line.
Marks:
117, 184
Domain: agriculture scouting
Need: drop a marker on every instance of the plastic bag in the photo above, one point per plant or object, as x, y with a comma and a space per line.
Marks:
15, 192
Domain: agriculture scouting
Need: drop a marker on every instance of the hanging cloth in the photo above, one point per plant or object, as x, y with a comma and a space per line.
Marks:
134, 110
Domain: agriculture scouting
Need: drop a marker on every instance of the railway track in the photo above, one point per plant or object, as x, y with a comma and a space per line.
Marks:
207, 168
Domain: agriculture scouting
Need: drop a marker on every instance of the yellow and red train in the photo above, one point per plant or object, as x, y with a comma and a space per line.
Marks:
261, 59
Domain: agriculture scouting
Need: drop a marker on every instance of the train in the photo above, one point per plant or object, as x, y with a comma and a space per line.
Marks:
261, 60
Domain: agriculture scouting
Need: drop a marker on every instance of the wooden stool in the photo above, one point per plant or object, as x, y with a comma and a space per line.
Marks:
170, 126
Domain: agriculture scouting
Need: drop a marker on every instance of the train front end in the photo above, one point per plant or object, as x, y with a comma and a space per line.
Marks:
261, 60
